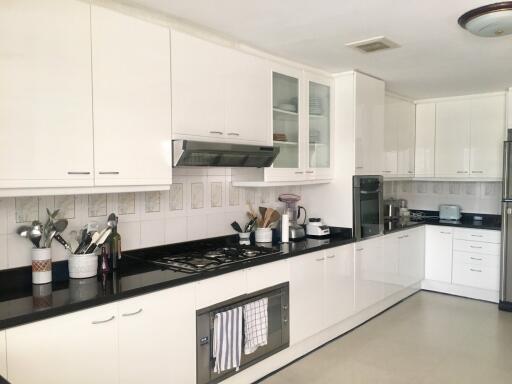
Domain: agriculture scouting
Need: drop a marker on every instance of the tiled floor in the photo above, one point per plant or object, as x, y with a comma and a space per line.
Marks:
429, 338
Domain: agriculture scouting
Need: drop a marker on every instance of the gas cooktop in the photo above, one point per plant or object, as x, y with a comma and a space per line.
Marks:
209, 259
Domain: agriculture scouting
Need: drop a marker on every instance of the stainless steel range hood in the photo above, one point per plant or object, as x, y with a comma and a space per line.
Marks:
205, 154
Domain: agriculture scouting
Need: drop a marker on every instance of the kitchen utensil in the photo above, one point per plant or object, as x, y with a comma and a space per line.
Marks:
36, 233
73, 240
101, 237
236, 227
59, 238
89, 248
49, 237
60, 225
24, 231
262, 211
272, 217
84, 243
250, 225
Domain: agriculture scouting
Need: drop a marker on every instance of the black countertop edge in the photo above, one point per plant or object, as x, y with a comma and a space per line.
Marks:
3, 381
489, 221
107, 290
390, 228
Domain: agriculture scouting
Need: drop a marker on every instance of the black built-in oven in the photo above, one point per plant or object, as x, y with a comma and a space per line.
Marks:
368, 202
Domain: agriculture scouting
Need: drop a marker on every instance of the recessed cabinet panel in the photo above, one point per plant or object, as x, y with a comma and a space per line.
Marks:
425, 140
438, 253
46, 110
132, 100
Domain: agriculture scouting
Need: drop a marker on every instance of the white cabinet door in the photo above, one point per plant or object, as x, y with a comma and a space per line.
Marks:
79, 348
217, 289
509, 108
338, 284
369, 125
198, 87
389, 263
369, 285
452, 138
391, 127
487, 136
425, 140
3, 355
406, 138
46, 110
156, 337
306, 290
412, 256
248, 98
267, 275
438, 253
132, 100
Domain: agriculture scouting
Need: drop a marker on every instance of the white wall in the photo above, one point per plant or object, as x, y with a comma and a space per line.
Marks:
333, 202
201, 204
473, 197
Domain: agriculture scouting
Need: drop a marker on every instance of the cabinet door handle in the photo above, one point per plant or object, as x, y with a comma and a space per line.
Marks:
475, 247
476, 258
103, 321
320, 259
299, 172
331, 256
462, 171
446, 233
216, 133
109, 173
386, 171
477, 235
132, 313
406, 235
475, 270
233, 134
410, 171
400, 237
477, 171
78, 173
359, 167
359, 249
310, 172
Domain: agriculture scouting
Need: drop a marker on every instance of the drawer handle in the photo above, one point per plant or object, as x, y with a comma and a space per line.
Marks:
446, 233
475, 270
132, 313
299, 172
216, 133
477, 171
310, 172
359, 249
103, 321
386, 171
475, 247
477, 235
359, 167
476, 258
406, 236
78, 173
109, 173
462, 171
410, 172
331, 256
233, 134
320, 259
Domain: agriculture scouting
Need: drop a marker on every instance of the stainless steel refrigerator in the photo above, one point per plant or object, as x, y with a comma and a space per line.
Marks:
506, 230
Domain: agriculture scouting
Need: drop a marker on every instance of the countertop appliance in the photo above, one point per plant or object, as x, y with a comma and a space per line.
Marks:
505, 302
449, 212
368, 206
316, 228
278, 337
208, 259
391, 210
208, 154
296, 230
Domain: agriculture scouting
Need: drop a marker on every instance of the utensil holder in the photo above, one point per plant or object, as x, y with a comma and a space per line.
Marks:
245, 238
41, 265
83, 266
263, 235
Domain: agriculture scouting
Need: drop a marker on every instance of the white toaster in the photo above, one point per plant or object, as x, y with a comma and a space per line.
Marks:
449, 212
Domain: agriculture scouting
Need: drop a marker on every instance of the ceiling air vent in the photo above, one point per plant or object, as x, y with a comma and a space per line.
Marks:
372, 45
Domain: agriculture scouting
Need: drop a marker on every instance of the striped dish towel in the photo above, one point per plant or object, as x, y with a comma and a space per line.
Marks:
256, 325
227, 339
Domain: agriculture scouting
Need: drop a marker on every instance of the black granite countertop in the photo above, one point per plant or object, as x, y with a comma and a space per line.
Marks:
22, 302
492, 222
3, 381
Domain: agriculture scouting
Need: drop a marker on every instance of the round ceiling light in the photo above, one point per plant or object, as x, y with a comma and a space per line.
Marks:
491, 20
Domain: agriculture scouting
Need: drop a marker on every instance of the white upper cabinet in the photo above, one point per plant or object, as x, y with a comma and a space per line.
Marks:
509, 108
453, 138
369, 124
132, 100
487, 136
425, 140
46, 110
390, 159
219, 94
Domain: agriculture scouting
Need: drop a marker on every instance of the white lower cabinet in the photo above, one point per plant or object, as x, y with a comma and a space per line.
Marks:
369, 285
411, 263
220, 288
267, 275
338, 284
3, 355
156, 337
389, 263
438, 253
79, 348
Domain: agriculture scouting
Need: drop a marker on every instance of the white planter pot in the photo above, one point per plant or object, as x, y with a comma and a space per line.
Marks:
263, 235
83, 266
41, 265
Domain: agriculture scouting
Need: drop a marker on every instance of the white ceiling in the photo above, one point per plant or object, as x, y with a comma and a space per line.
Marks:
437, 57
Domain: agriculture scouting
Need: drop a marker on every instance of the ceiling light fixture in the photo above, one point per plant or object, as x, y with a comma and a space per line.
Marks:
492, 20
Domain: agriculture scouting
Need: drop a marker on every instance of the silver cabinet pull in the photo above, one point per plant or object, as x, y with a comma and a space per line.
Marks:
406, 235
216, 132
386, 171
410, 171
400, 237
475, 270
309, 172
462, 172
359, 249
299, 172
475, 247
103, 321
78, 173
233, 134
320, 259
477, 171
359, 167
109, 173
132, 313
446, 233
331, 256
477, 235
476, 258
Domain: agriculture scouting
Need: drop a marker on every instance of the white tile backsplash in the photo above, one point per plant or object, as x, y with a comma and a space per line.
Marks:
201, 203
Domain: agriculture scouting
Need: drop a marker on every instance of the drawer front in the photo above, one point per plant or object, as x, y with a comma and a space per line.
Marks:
484, 235
476, 259
217, 289
476, 247
267, 275
478, 277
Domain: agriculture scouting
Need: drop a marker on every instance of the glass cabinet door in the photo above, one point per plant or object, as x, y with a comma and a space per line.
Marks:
319, 125
285, 105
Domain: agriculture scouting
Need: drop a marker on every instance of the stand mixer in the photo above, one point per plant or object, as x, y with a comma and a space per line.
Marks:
296, 230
